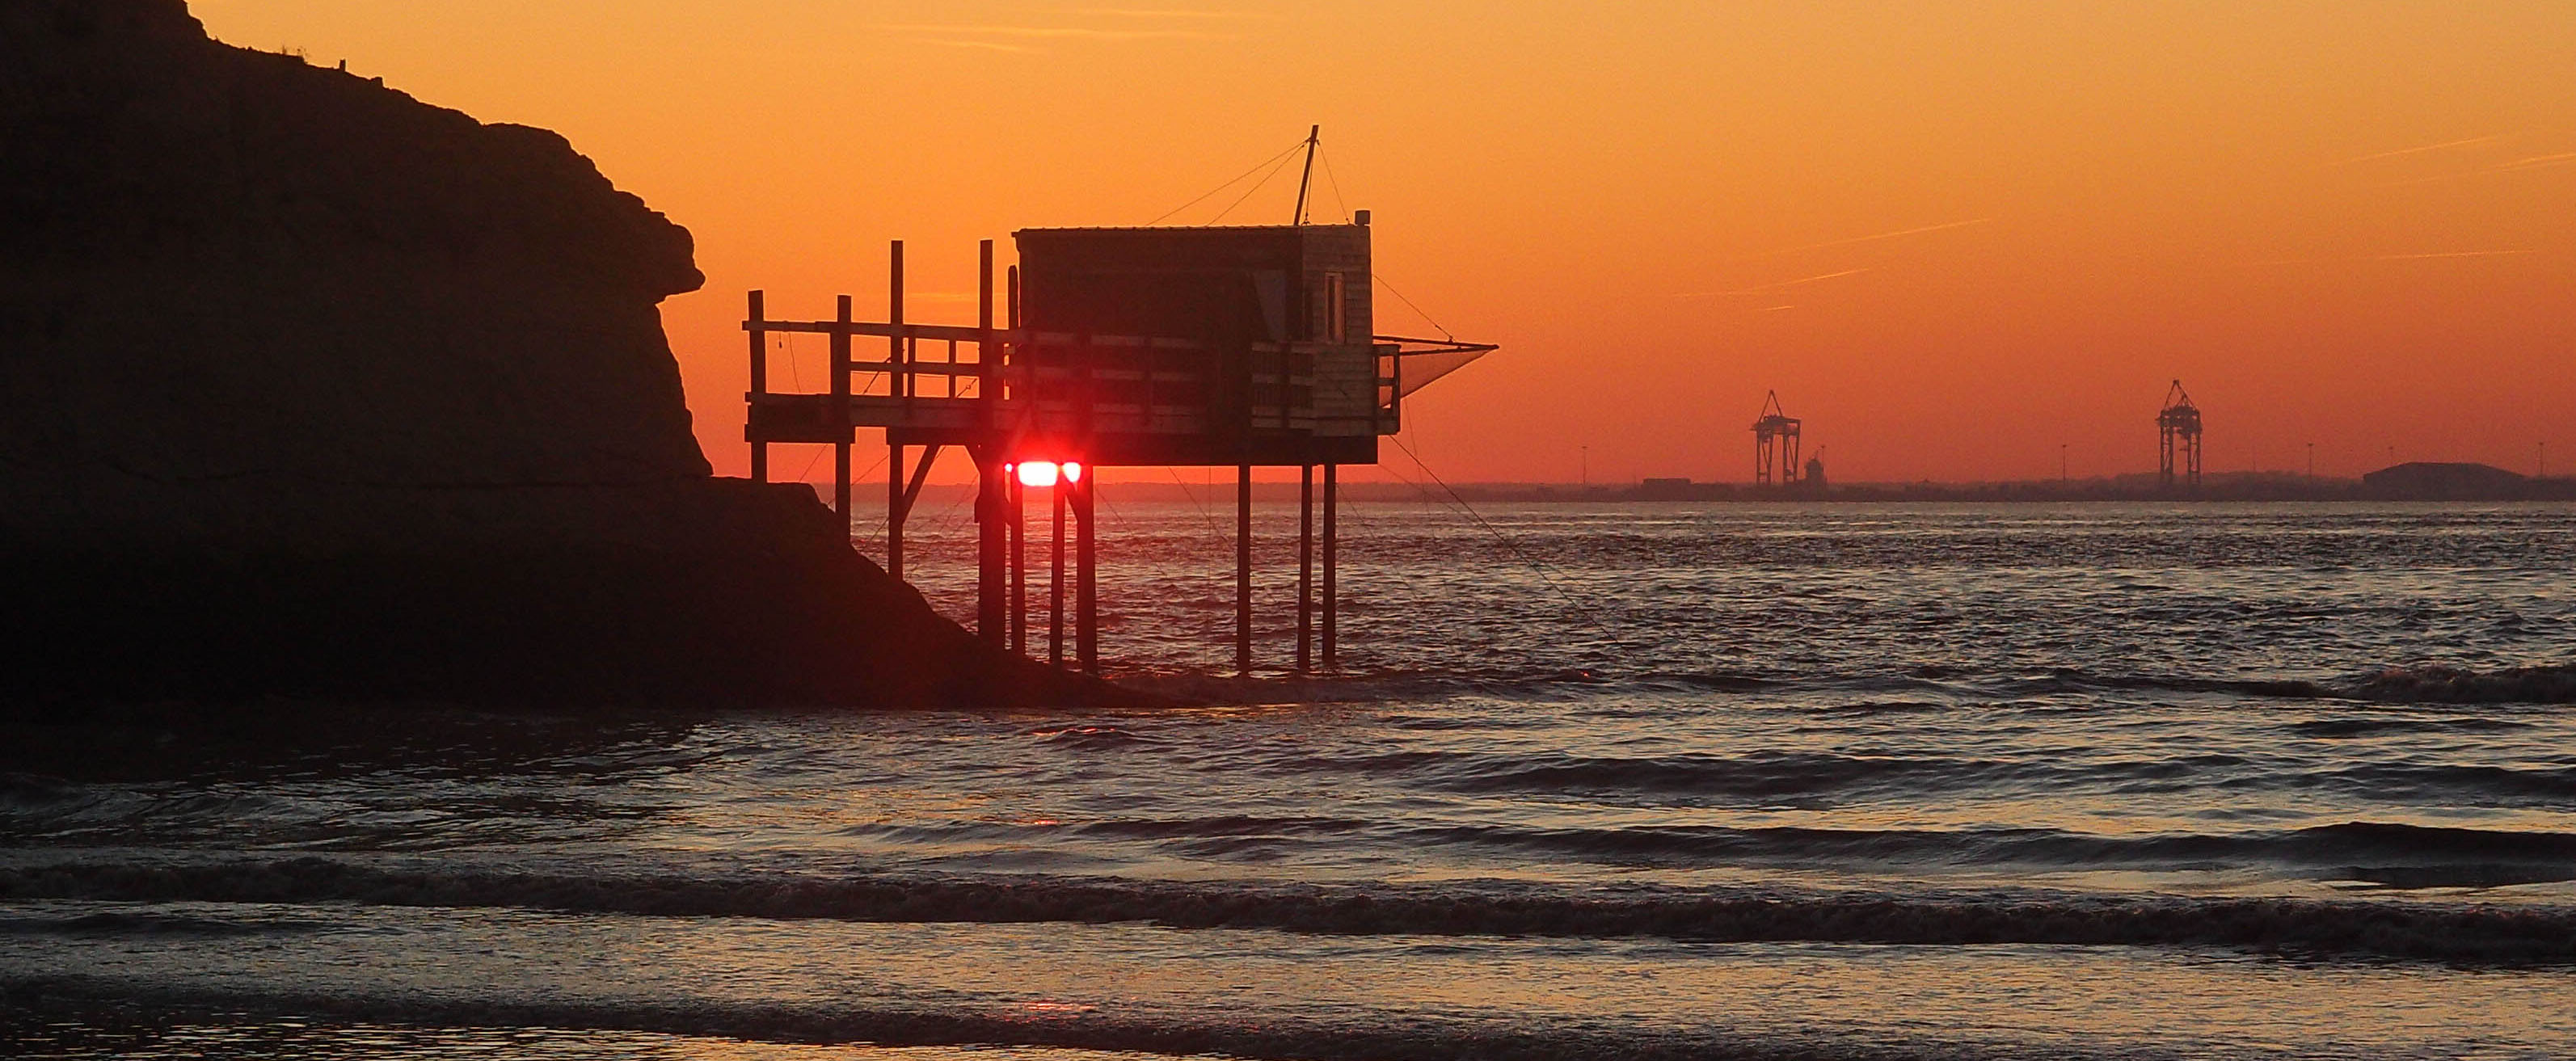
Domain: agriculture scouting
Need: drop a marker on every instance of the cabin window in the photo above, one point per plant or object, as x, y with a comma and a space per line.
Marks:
1337, 315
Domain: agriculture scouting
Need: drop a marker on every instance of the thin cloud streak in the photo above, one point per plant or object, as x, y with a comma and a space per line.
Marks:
2415, 257
1145, 12
994, 46
2443, 146
2450, 254
2536, 161
1060, 32
1943, 227
2516, 166
1761, 288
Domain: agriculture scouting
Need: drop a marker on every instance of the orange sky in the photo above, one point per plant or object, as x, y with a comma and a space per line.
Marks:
2344, 223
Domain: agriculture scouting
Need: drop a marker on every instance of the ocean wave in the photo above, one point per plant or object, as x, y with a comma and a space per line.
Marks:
2075, 681
2425, 684
58, 1004
2554, 684
1822, 779
1710, 681
2437, 783
2341, 728
2374, 929
2349, 850
1514, 682
1095, 738
146, 923
17, 787
1222, 826
1759, 777
1203, 689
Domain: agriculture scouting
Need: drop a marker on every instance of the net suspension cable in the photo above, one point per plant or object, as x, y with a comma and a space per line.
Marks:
1267, 163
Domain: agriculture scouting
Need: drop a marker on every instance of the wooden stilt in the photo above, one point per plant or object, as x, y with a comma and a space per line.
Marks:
1243, 569
901, 382
1019, 498
840, 415
1086, 583
1305, 568
759, 380
1019, 563
1332, 541
1055, 580
990, 546
991, 491
898, 348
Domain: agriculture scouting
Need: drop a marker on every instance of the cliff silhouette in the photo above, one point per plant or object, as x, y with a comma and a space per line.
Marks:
310, 389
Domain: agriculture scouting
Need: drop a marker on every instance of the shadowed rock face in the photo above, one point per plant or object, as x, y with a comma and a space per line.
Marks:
221, 262
308, 388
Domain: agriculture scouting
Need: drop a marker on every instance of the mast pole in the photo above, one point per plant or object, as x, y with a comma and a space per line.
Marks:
1314, 136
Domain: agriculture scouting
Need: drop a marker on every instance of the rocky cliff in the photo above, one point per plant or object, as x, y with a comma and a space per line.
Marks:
309, 388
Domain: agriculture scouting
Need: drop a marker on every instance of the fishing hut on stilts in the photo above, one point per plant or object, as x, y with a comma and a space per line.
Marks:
1237, 346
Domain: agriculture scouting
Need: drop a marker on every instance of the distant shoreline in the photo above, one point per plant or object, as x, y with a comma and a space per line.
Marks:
2240, 488
2235, 487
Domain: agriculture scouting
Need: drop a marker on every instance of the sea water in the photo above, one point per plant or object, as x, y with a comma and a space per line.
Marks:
1592, 780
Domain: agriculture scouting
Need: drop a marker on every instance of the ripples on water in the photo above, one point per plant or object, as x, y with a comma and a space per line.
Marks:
1626, 781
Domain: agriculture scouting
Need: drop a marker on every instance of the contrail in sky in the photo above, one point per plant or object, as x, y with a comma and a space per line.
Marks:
2470, 142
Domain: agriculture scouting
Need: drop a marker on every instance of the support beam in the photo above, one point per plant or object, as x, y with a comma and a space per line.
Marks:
894, 510
759, 379
992, 544
841, 418
1332, 541
920, 475
1086, 582
901, 495
1305, 568
988, 354
1055, 580
1011, 316
1243, 569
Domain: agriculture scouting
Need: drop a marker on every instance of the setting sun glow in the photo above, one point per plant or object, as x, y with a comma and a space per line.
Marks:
1042, 474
